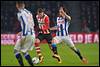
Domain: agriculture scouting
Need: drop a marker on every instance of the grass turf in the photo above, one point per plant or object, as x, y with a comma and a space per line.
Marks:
69, 58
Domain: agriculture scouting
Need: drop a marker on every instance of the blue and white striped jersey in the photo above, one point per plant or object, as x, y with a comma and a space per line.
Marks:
62, 25
26, 20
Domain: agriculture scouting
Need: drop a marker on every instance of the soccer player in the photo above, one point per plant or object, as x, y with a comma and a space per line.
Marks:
63, 21
25, 43
44, 33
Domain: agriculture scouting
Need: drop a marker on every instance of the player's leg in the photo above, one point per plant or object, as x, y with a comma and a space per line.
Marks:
18, 57
28, 44
69, 42
55, 41
55, 53
28, 58
53, 47
17, 53
37, 47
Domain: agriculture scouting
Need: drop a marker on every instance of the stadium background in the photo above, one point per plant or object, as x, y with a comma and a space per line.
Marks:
85, 19
85, 14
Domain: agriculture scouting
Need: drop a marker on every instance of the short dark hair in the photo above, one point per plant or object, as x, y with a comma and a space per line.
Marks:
65, 9
40, 10
20, 3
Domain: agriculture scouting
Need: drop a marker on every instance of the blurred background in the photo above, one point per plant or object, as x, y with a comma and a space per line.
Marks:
85, 14
83, 30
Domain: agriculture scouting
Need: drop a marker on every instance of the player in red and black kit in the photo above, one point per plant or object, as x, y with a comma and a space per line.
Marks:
44, 33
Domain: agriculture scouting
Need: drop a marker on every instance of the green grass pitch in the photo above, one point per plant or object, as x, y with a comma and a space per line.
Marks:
69, 58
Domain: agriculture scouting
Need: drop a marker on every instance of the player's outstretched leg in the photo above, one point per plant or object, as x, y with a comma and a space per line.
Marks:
54, 49
77, 51
38, 51
18, 57
28, 58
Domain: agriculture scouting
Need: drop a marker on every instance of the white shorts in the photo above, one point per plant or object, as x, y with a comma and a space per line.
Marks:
25, 43
66, 39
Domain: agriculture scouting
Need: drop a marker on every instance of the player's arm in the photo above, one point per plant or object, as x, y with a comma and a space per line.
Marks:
54, 28
32, 21
65, 15
25, 22
46, 24
19, 33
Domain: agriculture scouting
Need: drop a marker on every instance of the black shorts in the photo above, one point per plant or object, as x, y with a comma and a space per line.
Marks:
48, 37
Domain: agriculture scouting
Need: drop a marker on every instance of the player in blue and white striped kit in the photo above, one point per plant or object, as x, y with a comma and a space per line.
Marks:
63, 21
25, 43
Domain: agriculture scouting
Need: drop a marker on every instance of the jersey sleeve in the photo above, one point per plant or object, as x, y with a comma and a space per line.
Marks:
32, 21
46, 25
24, 23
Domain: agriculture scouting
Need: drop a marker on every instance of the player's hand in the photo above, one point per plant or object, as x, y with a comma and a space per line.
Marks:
54, 28
64, 14
19, 34
62, 11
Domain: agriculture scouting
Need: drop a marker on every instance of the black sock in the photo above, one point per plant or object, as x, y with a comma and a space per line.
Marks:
54, 49
78, 53
19, 58
28, 58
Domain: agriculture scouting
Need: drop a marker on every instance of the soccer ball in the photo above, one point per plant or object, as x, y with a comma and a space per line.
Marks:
35, 60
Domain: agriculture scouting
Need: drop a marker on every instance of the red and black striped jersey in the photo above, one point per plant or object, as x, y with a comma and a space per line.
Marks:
43, 24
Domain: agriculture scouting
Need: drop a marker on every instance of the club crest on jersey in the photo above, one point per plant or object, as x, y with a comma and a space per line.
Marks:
60, 20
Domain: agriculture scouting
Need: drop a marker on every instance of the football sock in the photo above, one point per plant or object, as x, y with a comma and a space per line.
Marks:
19, 58
54, 48
78, 53
38, 51
28, 58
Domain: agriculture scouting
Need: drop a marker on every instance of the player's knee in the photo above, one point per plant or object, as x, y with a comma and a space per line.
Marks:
37, 41
25, 53
53, 41
16, 51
